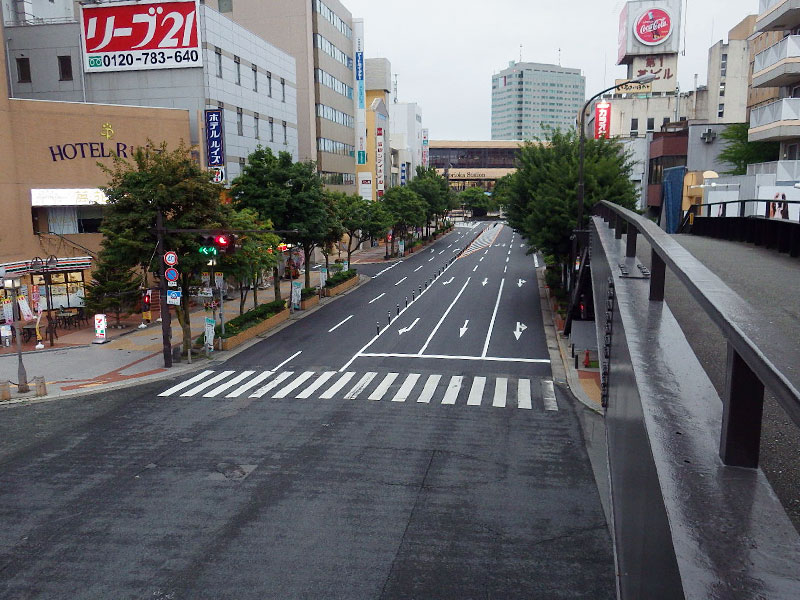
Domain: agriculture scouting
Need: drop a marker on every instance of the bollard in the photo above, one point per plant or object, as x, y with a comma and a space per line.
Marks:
389, 316
5, 390
398, 310
420, 289
378, 326
406, 301
412, 295
41, 386
426, 285
576, 362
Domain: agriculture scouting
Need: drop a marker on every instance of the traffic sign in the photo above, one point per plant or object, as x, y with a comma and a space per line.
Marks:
171, 274
174, 297
171, 259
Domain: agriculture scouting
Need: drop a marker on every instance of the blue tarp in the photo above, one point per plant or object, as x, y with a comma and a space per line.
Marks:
672, 195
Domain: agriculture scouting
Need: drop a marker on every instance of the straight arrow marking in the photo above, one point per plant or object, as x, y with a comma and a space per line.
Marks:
485, 281
463, 330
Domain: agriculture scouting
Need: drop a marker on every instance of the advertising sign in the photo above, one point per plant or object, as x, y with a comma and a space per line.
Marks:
380, 182
209, 333
361, 93
136, 36
602, 120
401, 247
215, 144
649, 28
403, 174
35, 297
296, 294
24, 309
425, 149
8, 310
205, 278
632, 88
217, 174
365, 185
323, 276
100, 327
653, 27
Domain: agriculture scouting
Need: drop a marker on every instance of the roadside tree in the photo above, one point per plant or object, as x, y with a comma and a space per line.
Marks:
407, 209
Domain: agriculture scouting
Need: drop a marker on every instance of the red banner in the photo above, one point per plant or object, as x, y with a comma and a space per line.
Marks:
602, 120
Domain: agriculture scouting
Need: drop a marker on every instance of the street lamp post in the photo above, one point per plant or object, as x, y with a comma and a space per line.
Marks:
44, 267
13, 284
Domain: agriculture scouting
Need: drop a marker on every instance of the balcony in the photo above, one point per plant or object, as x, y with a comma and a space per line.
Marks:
776, 121
784, 170
779, 64
778, 15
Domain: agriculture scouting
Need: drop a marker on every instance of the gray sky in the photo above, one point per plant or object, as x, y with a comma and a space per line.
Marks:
445, 52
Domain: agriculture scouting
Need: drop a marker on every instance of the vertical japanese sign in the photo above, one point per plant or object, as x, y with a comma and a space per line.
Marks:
602, 120
8, 310
380, 161
24, 309
361, 93
135, 36
365, 185
403, 174
215, 143
425, 149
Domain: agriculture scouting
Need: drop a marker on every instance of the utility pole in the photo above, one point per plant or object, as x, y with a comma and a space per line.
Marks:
166, 318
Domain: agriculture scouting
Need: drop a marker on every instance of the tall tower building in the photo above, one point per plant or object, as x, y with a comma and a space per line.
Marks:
530, 98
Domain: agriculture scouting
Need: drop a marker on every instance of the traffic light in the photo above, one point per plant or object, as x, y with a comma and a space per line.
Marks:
146, 299
225, 243
207, 246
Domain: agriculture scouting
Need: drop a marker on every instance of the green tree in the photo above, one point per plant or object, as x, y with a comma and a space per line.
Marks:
114, 288
353, 212
501, 194
335, 226
159, 180
739, 152
436, 193
407, 209
477, 201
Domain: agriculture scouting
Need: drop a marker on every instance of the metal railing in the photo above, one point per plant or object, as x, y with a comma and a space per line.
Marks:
765, 5
786, 109
770, 209
788, 47
750, 367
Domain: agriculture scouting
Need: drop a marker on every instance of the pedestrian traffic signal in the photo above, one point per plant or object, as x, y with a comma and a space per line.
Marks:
146, 299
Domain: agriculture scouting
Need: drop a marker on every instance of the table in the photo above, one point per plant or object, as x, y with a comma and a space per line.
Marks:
66, 318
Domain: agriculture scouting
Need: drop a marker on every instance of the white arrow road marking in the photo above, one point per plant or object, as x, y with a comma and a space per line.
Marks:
521, 282
379, 273
463, 330
335, 327
535, 262
432, 251
409, 328
522, 245
401, 281
520, 328
448, 282
444, 316
417, 269
485, 281
378, 298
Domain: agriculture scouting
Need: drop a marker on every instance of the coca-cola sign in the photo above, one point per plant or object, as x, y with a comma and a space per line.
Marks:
654, 27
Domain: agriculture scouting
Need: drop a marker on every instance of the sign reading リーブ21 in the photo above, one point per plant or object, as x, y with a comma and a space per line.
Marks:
134, 36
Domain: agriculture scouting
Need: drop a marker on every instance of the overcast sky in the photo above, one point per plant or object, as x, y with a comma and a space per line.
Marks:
445, 52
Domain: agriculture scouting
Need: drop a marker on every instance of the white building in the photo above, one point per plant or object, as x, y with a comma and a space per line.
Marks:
406, 132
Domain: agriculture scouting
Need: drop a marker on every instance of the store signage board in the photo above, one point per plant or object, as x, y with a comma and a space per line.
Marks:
215, 144
67, 197
138, 36
653, 27
602, 120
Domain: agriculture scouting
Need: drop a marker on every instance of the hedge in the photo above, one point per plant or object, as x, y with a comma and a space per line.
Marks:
252, 317
341, 277
307, 293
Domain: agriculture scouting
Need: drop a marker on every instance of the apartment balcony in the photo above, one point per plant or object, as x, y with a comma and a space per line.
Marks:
776, 121
779, 64
778, 15
784, 170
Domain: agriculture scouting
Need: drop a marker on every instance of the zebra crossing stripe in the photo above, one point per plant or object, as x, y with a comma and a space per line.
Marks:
549, 395
186, 383
405, 390
524, 394
337, 387
452, 390
360, 386
228, 384
306, 393
250, 384
300, 380
476, 393
429, 389
383, 386
272, 384
200, 387
500, 392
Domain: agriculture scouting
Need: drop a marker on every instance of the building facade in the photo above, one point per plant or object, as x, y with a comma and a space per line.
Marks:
729, 75
406, 120
467, 164
529, 99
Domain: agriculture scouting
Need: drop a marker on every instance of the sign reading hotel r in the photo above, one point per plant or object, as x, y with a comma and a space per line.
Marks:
88, 150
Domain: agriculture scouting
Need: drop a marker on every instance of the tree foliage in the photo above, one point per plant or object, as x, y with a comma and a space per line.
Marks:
436, 193
739, 152
407, 209
352, 212
477, 201
114, 288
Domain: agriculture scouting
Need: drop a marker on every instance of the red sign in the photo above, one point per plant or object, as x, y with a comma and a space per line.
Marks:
129, 36
602, 120
653, 27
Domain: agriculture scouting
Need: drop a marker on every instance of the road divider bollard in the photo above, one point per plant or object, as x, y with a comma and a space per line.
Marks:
406, 301
378, 326
5, 390
389, 316
398, 310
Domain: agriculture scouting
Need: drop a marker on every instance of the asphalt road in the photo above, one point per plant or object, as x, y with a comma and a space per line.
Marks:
356, 454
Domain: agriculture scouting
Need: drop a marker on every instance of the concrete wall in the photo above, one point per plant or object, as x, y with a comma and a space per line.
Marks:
703, 156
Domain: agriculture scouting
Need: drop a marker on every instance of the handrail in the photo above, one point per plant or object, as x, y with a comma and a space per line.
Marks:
738, 321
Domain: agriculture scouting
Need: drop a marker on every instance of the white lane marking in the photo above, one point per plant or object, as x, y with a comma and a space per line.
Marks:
335, 327
494, 316
481, 260
505, 270
250, 384
500, 392
533, 361
379, 273
487, 252
508, 258
444, 316
228, 384
449, 281
186, 383
475, 269
292, 357
360, 386
476, 393
272, 384
442, 252
429, 389
337, 387
401, 281
405, 390
378, 298
431, 260
306, 393
452, 390
409, 328
383, 386
535, 262
549, 395
288, 389
522, 245
450, 246
417, 269
524, 394
205, 384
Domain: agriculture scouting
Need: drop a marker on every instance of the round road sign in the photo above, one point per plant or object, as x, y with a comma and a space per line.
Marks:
171, 259
171, 274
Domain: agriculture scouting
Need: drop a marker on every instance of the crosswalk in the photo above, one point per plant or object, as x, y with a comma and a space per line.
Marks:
372, 386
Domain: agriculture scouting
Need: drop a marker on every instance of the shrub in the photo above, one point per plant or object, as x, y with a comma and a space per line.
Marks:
307, 293
252, 317
340, 277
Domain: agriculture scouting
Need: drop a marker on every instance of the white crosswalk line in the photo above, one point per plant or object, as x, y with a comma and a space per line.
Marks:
500, 392
306, 393
272, 384
452, 390
185, 384
250, 384
360, 386
383, 386
228, 384
429, 389
549, 395
476, 393
288, 389
405, 390
337, 387
524, 394
199, 388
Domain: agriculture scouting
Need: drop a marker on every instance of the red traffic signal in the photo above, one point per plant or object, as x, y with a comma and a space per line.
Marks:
146, 301
222, 241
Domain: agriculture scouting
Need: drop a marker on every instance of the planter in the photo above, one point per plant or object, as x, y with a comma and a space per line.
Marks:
275, 320
342, 287
309, 302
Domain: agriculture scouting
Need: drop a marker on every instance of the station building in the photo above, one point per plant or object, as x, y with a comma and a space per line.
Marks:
467, 164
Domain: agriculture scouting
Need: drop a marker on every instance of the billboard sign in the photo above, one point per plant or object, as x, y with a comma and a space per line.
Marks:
215, 144
649, 28
653, 27
361, 94
602, 120
137, 36
380, 161
365, 185
425, 149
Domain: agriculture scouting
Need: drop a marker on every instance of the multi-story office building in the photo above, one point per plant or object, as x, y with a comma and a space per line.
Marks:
249, 80
406, 120
319, 35
379, 164
729, 74
529, 99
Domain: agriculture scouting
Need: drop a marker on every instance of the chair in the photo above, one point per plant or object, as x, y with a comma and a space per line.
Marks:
82, 316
